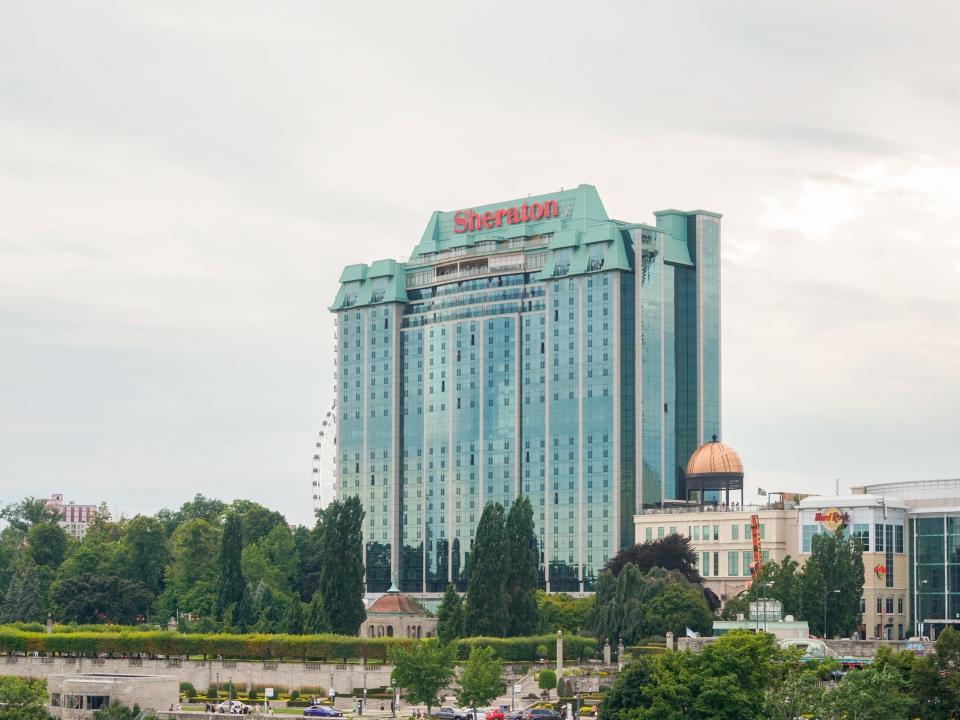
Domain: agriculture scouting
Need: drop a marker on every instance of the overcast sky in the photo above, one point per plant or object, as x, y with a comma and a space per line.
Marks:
182, 182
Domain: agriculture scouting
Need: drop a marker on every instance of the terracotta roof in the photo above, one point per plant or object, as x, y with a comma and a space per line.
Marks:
394, 603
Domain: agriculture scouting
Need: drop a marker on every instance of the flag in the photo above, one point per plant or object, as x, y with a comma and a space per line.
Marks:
691, 633
761, 491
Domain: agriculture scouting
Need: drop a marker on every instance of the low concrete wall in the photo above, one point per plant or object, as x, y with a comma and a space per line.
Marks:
202, 674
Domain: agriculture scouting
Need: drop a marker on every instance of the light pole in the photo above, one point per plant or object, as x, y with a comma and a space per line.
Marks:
218, 687
763, 599
826, 594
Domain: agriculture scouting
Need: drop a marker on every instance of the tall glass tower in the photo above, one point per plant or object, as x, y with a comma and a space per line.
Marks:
532, 347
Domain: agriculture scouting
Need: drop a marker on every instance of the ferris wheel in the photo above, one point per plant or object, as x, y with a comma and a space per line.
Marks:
324, 474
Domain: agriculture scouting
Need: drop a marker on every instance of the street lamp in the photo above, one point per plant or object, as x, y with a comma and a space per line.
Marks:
767, 585
825, 595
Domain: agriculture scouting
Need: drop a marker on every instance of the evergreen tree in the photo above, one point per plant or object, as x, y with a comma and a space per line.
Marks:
341, 571
244, 615
486, 591
24, 601
450, 615
835, 564
230, 583
316, 621
522, 576
293, 619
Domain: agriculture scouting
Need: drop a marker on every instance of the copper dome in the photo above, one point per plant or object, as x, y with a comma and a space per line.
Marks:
714, 458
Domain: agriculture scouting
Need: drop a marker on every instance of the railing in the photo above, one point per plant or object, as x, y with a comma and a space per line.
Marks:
733, 508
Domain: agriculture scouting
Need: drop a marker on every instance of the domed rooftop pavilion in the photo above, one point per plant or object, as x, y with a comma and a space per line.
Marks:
713, 467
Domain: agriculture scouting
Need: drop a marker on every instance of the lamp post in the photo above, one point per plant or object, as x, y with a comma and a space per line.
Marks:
763, 599
826, 594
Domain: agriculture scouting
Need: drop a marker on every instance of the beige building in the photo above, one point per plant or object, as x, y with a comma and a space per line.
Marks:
79, 695
880, 525
723, 541
395, 615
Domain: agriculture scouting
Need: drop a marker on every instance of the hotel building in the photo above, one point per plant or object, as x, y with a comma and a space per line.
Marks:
531, 347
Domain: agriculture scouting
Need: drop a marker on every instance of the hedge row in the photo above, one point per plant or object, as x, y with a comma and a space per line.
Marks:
262, 647
235, 647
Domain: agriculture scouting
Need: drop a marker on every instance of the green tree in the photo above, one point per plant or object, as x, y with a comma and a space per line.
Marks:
28, 512
797, 694
450, 615
23, 699
677, 607
101, 598
341, 574
257, 521
230, 580
546, 680
423, 669
521, 569
868, 694
487, 610
627, 693
317, 621
48, 544
672, 552
835, 563
295, 618
200, 508
560, 611
273, 559
480, 680
191, 575
116, 710
24, 601
147, 552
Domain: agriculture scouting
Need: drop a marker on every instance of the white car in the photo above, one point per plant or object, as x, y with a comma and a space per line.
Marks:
234, 707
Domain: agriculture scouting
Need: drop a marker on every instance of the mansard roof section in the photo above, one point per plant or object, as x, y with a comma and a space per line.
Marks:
538, 214
383, 281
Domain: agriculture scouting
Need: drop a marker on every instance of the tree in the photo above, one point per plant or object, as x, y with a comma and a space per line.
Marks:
200, 508
317, 621
676, 608
341, 574
522, 574
546, 680
835, 563
480, 680
797, 694
450, 615
101, 598
147, 552
48, 544
191, 576
23, 699
868, 694
28, 512
294, 619
24, 601
560, 611
230, 581
627, 692
486, 592
423, 669
116, 710
257, 520
672, 552
272, 559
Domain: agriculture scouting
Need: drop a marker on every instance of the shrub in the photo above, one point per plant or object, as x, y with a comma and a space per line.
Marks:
253, 694
294, 694
188, 689
212, 693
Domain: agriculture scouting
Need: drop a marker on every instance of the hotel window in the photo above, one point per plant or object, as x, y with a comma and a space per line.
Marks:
861, 532
705, 570
899, 606
747, 559
899, 538
716, 533
878, 537
763, 531
765, 556
659, 532
706, 533
863, 605
673, 531
649, 534
889, 606
696, 533
808, 532
879, 605
716, 563
735, 532
732, 558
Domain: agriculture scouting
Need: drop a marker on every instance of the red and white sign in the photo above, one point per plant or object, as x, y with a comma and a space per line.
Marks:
469, 220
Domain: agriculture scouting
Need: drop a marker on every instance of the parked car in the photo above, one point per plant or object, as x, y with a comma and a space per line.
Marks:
449, 713
495, 714
322, 711
234, 707
537, 714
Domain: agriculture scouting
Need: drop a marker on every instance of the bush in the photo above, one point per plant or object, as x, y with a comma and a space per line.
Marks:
212, 693
294, 694
253, 694
188, 689
527, 648
546, 680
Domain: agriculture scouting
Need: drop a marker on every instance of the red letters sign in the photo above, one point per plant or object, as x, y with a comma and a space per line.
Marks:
831, 518
468, 220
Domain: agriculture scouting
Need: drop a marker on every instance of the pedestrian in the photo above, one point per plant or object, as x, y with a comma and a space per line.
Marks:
381, 706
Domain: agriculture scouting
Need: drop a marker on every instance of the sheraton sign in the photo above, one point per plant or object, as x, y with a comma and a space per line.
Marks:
470, 220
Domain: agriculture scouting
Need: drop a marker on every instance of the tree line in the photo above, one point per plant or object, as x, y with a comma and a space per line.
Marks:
217, 567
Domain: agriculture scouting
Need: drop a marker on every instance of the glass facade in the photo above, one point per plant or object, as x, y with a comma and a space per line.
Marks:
560, 360
935, 576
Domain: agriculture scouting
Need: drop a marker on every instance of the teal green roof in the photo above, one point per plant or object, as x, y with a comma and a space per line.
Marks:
579, 207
